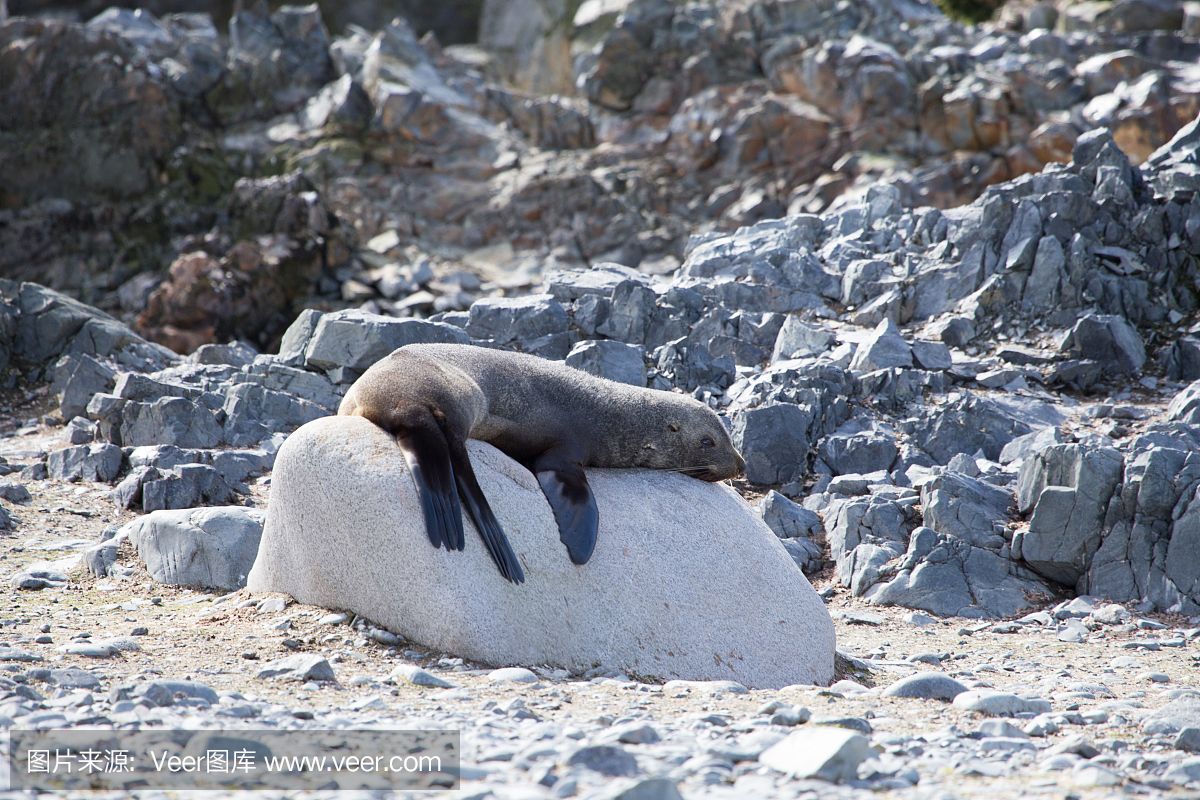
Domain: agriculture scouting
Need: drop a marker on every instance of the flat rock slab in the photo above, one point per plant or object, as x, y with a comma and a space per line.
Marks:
686, 580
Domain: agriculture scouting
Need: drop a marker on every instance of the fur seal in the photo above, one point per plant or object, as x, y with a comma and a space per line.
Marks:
552, 418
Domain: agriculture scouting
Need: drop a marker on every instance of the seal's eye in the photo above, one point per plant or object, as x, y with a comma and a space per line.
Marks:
673, 427
707, 441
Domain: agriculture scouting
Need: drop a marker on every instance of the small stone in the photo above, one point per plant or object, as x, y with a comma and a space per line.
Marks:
298, 667
926, 686
1188, 740
164, 692
828, 754
605, 759
999, 704
417, 677
512, 675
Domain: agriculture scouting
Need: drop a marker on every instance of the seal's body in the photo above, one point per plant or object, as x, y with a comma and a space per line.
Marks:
552, 418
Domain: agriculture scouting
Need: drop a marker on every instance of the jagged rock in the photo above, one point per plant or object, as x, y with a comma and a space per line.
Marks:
507, 320
1147, 553
523, 624
617, 361
1068, 487
88, 462
968, 509
1020, 448
966, 425
209, 548
169, 420
774, 441
884, 348
948, 576
798, 339
50, 324
787, 519
1107, 339
1185, 407
858, 451
345, 343
864, 534
185, 486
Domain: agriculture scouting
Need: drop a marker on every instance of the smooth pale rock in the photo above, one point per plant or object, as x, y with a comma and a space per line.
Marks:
512, 675
999, 704
664, 595
410, 673
926, 686
828, 754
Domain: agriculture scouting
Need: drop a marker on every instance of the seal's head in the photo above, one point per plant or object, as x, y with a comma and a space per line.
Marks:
692, 440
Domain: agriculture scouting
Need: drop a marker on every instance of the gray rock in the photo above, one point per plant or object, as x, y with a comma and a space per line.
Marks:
413, 674
808, 555
966, 425
646, 789
774, 441
76, 377
863, 535
798, 339
926, 686
617, 361
235, 354
1069, 487
787, 519
298, 667
1183, 359
1024, 446
185, 486
294, 345
504, 320
408, 590
606, 759
992, 703
884, 348
88, 462
631, 314
1185, 406
210, 547
128, 493
164, 692
1173, 718
931, 355
252, 413
968, 509
14, 492
1188, 740
7, 523
169, 420
955, 331
949, 577
824, 753
858, 452
345, 343
81, 431
1107, 339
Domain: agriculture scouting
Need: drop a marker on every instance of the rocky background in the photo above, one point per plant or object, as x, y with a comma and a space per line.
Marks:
942, 278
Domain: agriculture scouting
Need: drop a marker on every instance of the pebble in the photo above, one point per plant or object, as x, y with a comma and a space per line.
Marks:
926, 686
828, 754
999, 704
417, 677
298, 667
512, 675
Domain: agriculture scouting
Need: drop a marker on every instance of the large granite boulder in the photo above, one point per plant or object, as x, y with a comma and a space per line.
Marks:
686, 580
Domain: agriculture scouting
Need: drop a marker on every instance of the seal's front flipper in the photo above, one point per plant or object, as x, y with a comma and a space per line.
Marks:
477, 507
574, 506
428, 459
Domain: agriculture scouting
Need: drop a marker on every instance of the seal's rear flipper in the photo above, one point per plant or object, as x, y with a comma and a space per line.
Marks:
574, 507
477, 507
428, 460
